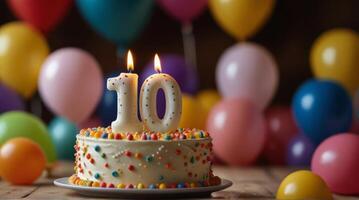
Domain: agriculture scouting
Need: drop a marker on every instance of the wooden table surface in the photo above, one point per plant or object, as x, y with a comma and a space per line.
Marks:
249, 183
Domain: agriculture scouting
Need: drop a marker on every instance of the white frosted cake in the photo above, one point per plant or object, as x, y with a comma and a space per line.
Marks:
176, 159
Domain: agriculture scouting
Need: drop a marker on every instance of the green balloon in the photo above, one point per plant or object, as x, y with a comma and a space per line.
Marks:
22, 124
63, 134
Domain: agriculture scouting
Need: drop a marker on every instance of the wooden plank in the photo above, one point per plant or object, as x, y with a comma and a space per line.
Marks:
8, 191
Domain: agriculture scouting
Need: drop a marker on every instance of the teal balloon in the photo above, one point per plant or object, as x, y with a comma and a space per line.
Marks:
120, 21
22, 124
63, 134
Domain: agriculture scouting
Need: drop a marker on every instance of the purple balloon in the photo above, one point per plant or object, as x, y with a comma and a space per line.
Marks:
300, 151
9, 100
177, 67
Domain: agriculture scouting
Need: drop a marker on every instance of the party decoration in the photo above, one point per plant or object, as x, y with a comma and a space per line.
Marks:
44, 15
183, 10
91, 122
22, 124
21, 161
23, 50
322, 108
177, 67
300, 151
303, 184
119, 21
189, 119
107, 107
241, 18
206, 100
336, 161
70, 83
281, 129
334, 56
238, 131
9, 100
247, 70
63, 134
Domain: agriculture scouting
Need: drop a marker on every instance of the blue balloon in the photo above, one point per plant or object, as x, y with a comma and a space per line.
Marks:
107, 107
322, 108
117, 20
63, 134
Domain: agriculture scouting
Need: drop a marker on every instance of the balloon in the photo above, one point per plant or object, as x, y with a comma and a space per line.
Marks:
42, 14
90, 123
247, 70
177, 67
71, 83
22, 52
21, 124
334, 56
63, 134
300, 151
9, 100
107, 107
241, 18
207, 99
281, 129
119, 21
22, 161
188, 118
303, 184
183, 10
322, 108
336, 161
238, 131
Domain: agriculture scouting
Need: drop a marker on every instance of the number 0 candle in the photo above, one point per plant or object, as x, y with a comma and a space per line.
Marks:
148, 101
126, 87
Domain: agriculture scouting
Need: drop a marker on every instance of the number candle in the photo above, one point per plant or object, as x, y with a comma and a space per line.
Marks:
126, 87
148, 101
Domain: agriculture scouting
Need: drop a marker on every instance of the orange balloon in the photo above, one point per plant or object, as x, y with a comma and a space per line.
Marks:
22, 161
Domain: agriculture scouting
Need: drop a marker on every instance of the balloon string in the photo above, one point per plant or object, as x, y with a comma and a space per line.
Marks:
189, 45
35, 106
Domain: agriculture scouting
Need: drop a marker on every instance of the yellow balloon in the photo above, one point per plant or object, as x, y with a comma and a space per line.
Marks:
207, 99
241, 18
303, 184
22, 52
192, 113
335, 56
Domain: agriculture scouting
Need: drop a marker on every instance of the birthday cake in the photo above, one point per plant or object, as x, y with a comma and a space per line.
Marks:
177, 159
152, 153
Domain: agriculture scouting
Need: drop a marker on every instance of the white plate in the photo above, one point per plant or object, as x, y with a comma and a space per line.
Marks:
143, 193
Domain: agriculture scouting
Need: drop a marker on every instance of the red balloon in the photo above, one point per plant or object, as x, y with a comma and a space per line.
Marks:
336, 161
238, 131
183, 10
42, 14
281, 129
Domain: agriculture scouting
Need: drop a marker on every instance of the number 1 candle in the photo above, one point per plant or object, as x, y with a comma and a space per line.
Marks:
148, 104
126, 87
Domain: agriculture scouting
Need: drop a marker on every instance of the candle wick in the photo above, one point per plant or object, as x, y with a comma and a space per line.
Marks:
130, 71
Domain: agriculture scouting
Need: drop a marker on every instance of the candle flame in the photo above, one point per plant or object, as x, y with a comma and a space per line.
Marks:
130, 66
158, 67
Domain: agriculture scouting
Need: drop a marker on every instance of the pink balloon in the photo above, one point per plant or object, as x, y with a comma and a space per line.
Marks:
336, 161
238, 131
247, 70
71, 83
281, 129
90, 123
183, 10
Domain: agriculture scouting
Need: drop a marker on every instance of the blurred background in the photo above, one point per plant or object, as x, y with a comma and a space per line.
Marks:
270, 80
